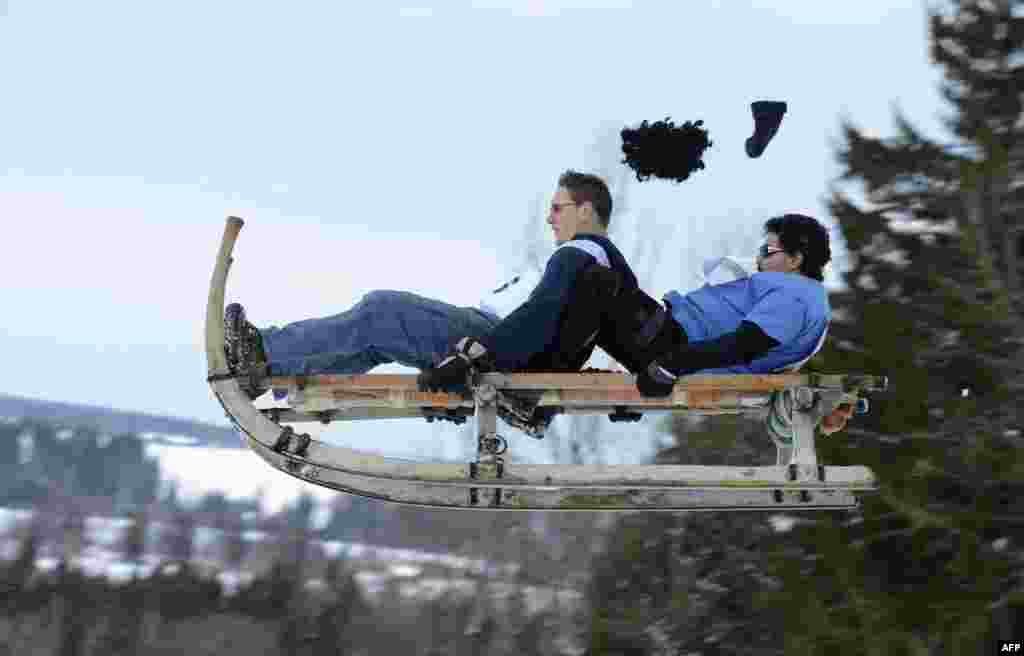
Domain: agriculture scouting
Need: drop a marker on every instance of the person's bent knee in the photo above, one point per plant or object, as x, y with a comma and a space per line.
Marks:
382, 297
638, 328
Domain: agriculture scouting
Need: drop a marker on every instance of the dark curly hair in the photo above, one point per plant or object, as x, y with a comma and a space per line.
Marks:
665, 151
803, 234
587, 188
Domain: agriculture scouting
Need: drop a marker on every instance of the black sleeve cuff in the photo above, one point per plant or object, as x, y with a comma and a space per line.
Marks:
744, 345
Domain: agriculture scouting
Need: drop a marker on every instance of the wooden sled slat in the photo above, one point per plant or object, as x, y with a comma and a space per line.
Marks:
611, 383
326, 416
594, 393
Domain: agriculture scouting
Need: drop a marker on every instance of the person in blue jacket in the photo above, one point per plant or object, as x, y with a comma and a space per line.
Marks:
760, 323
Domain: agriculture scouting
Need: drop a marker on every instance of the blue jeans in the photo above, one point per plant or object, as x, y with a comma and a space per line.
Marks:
385, 326
388, 326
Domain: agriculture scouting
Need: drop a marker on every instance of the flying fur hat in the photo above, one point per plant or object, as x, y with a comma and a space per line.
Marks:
663, 150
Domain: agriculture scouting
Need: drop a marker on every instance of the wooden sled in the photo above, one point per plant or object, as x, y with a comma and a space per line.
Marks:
797, 480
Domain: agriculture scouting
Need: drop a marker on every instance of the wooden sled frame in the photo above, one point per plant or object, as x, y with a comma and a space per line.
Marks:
796, 481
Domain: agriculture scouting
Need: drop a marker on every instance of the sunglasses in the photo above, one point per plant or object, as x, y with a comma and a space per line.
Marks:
766, 251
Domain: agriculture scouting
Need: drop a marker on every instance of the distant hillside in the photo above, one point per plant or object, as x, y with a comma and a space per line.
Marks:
155, 429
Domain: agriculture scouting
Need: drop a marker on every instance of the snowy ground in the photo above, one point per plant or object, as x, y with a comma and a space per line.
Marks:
240, 473
378, 566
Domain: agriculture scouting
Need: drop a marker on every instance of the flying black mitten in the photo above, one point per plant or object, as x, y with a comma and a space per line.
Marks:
767, 118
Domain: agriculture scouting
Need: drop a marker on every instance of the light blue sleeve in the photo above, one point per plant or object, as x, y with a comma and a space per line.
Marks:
780, 314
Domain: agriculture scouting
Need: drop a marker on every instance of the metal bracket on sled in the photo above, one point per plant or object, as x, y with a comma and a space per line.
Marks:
489, 464
802, 409
291, 442
621, 413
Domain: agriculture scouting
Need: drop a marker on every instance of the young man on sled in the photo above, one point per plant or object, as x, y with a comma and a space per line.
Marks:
392, 326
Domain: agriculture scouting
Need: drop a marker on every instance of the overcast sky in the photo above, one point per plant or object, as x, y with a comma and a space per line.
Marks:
386, 145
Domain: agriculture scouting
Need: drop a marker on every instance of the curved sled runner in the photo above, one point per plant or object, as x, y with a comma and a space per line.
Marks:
797, 481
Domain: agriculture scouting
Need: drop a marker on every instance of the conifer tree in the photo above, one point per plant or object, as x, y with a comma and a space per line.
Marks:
932, 300
233, 545
18, 574
125, 615
345, 602
74, 614
133, 538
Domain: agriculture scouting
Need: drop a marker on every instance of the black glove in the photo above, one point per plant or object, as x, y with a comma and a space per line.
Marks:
655, 381
453, 373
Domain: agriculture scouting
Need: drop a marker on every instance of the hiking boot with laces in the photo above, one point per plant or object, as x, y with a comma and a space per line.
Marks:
243, 347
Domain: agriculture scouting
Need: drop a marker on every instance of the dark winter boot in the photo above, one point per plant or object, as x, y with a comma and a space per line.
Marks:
243, 347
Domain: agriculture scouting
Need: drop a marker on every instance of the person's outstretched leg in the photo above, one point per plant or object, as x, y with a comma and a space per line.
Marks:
385, 326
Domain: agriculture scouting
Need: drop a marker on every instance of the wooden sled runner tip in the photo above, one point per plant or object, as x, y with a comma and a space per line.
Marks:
796, 482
